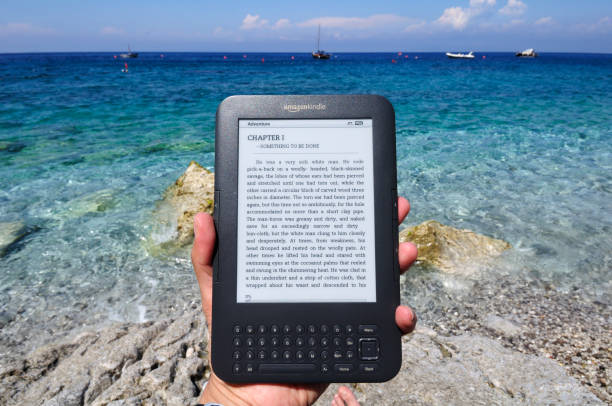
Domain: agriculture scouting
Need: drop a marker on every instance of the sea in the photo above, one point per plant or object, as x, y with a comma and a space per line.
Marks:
516, 149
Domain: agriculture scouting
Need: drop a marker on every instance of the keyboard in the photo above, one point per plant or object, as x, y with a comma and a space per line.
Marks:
305, 348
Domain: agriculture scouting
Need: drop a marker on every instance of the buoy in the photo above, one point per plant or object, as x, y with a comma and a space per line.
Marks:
224, 57
405, 56
292, 57
244, 56
416, 57
126, 68
161, 56
399, 53
484, 57
115, 56
262, 60
393, 61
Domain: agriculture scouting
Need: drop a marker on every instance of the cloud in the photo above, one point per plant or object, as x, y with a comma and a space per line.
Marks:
110, 30
356, 23
459, 17
251, 22
414, 27
513, 8
282, 23
456, 17
544, 21
16, 28
480, 3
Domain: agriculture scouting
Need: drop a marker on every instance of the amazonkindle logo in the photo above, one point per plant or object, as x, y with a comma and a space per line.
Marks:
295, 108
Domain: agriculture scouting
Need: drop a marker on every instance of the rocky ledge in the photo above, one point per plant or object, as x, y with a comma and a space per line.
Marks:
165, 363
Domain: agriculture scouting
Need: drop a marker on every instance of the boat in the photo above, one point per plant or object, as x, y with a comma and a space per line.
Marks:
129, 54
459, 55
528, 53
319, 53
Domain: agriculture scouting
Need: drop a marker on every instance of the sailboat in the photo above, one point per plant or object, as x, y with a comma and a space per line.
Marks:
319, 53
129, 54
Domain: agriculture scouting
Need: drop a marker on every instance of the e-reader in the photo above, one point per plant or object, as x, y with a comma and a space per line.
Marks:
306, 272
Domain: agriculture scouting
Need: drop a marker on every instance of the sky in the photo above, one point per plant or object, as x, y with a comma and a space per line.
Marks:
291, 26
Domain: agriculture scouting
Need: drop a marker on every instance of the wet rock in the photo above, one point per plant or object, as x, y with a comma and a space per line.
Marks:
467, 370
450, 249
10, 232
502, 326
193, 192
95, 202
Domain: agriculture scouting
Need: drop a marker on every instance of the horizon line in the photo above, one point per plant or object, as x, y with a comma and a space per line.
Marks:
290, 52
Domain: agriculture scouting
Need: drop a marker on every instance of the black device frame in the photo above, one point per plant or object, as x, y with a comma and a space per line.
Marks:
228, 313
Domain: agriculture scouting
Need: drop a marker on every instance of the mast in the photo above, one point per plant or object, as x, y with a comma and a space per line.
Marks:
319, 39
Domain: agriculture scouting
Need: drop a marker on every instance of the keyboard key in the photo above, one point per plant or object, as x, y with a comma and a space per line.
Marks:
299, 355
349, 329
312, 341
237, 329
337, 341
343, 368
236, 368
350, 355
261, 355
287, 329
274, 355
324, 368
299, 342
275, 341
261, 341
312, 355
287, 341
368, 368
237, 342
337, 355
337, 329
250, 355
324, 329
286, 355
368, 329
312, 329
350, 342
324, 355
236, 355
249, 368
299, 329
250, 329
250, 342
287, 368
274, 329
368, 348
324, 342
261, 329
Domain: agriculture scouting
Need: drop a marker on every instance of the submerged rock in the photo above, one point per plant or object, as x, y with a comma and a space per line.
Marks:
193, 192
95, 202
10, 232
450, 249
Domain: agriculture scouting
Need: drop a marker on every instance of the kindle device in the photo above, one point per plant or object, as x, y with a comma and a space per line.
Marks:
306, 274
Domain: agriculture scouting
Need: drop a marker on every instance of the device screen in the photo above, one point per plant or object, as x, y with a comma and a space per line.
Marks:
305, 211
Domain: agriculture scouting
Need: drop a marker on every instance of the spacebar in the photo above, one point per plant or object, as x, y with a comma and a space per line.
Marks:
286, 368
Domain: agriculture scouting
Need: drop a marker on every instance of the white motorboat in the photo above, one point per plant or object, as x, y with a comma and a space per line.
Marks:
459, 55
528, 53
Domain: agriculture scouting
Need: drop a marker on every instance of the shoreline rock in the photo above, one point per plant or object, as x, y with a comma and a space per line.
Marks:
452, 250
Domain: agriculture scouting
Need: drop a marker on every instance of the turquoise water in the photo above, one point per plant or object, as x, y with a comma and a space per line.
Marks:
516, 149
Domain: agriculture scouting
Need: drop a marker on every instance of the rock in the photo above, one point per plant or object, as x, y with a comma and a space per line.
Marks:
502, 326
150, 364
95, 202
452, 250
193, 192
468, 370
10, 232
122, 364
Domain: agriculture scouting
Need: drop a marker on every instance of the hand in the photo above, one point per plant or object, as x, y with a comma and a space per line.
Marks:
271, 394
